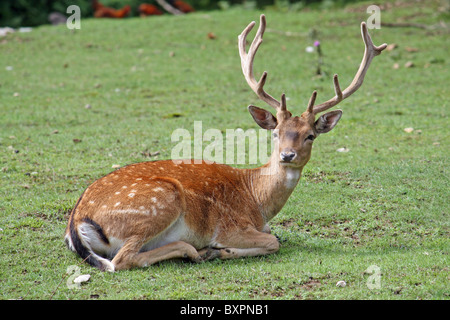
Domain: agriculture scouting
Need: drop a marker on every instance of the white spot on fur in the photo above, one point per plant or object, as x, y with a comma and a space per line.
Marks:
158, 189
138, 179
134, 184
154, 200
131, 195
118, 192
116, 204
91, 202
128, 211
124, 187
154, 211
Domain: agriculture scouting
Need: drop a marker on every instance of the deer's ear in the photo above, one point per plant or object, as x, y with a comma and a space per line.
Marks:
263, 118
328, 121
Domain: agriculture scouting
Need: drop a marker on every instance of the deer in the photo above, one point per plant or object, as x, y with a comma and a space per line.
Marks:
152, 211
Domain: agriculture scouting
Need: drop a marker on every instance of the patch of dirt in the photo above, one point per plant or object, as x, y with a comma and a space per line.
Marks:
311, 284
325, 177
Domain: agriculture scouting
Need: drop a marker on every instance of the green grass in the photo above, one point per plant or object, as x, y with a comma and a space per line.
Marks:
383, 203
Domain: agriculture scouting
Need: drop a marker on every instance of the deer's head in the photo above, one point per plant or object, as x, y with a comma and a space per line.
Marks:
294, 135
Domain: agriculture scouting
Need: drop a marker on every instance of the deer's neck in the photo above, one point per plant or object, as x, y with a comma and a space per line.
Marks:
272, 184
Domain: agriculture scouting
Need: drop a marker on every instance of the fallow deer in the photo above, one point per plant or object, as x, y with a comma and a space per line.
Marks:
148, 212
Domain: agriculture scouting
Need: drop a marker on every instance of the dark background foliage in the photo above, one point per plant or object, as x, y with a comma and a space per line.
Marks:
26, 13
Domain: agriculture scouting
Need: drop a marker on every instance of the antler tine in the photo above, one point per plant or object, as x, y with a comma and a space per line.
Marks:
247, 63
370, 52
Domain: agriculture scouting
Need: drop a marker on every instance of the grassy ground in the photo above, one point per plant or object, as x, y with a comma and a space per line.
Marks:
383, 205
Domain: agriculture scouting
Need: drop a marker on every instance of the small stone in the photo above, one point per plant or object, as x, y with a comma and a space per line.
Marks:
82, 278
341, 284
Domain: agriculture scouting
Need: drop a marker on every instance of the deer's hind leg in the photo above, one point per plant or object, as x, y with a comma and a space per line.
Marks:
128, 257
165, 206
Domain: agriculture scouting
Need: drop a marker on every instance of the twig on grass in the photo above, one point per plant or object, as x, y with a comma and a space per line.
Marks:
65, 275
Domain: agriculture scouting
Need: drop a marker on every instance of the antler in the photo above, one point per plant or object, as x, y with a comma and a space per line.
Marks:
370, 52
247, 65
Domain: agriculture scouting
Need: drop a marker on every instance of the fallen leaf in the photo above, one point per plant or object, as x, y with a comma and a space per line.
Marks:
396, 66
76, 140
409, 64
88, 106
410, 49
172, 115
344, 149
211, 36
408, 130
391, 46
115, 166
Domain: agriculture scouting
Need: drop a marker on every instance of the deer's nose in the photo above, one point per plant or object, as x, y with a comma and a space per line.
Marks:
288, 156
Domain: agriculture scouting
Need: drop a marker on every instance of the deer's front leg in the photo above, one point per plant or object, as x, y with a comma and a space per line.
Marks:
243, 244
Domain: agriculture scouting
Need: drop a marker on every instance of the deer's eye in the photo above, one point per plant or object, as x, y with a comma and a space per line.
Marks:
310, 137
